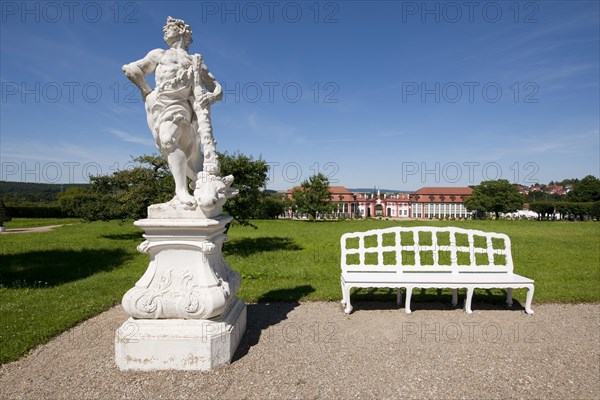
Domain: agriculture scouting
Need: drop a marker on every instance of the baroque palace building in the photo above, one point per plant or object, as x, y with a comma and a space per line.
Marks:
440, 202
427, 202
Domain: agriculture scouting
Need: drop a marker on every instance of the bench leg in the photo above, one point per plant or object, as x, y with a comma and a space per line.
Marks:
399, 297
408, 296
528, 300
346, 295
468, 301
343, 293
454, 297
509, 301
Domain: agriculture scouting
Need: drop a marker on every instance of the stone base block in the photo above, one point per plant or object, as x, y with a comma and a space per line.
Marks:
180, 344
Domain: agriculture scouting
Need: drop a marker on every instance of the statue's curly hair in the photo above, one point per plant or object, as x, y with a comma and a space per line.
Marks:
181, 28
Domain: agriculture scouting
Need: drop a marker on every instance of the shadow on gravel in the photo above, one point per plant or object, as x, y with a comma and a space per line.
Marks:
263, 315
385, 299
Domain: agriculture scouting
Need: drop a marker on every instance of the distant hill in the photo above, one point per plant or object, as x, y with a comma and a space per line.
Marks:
16, 192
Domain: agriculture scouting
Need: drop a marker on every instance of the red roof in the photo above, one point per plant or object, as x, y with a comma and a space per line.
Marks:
441, 194
340, 193
423, 195
464, 191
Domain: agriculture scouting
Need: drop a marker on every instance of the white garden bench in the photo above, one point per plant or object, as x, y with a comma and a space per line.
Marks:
428, 257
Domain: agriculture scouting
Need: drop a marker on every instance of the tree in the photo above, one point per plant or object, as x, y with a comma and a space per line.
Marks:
586, 190
535, 196
495, 196
544, 208
125, 194
313, 196
271, 207
250, 178
4, 216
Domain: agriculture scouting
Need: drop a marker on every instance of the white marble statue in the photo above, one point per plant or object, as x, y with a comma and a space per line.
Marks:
183, 312
178, 113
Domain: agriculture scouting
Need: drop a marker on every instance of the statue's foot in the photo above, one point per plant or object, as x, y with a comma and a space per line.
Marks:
186, 199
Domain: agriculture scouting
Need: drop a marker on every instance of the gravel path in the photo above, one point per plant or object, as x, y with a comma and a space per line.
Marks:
313, 350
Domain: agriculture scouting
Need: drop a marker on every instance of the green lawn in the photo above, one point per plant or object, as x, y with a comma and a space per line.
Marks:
35, 222
51, 281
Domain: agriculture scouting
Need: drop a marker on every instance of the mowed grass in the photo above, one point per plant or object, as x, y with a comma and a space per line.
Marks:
51, 281
17, 223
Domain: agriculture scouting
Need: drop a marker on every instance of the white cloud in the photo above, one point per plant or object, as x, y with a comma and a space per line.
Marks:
128, 137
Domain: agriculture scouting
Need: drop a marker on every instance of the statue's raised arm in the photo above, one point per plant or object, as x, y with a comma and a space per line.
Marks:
207, 90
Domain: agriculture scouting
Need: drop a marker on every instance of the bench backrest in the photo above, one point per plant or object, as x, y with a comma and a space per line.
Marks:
426, 249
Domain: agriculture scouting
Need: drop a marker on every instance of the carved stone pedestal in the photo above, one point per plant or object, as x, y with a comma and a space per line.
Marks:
184, 312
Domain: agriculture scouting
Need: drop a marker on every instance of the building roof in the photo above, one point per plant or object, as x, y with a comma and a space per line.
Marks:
441, 194
423, 195
339, 190
464, 191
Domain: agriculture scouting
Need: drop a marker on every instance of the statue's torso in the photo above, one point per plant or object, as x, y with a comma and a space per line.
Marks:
174, 70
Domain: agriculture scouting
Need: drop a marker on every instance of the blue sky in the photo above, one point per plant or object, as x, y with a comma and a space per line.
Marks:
394, 94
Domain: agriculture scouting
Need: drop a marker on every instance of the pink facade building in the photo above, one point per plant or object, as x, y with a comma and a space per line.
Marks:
427, 202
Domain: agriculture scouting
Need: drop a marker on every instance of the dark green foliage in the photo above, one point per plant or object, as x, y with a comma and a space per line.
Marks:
36, 211
127, 194
271, 207
124, 194
4, 214
313, 196
538, 195
576, 210
250, 178
586, 190
595, 210
495, 196
566, 209
21, 192
543, 208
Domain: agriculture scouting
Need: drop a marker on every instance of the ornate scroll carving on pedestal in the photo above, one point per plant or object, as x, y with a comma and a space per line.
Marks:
189, 280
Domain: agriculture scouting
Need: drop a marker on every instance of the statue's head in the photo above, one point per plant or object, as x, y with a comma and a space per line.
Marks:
176, 30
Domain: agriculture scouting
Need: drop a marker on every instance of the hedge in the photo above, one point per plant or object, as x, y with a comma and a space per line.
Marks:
41, 211
566, 209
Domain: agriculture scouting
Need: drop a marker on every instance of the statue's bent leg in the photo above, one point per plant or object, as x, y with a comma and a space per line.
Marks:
169, 134
189, 142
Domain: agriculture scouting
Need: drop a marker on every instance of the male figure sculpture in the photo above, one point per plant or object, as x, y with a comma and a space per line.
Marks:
184, 310
178, 113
